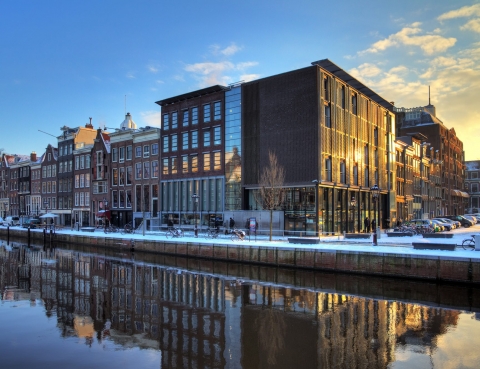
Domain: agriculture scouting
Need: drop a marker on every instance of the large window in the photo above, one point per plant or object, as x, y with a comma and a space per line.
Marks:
174, 143
206, 138
185, 118
174, 166
121, 155
146, 169
328, 169
129, 176
166, 122
328, 121
138, 151
206, 161
194, 139
184, 163
194, 116
138, 170
217, 160
174, 120
165, 166
206, 113
217, 110
154, 149
217, 136
165, 143
129, 152
114, 155
194, 162
185, 140
155, 169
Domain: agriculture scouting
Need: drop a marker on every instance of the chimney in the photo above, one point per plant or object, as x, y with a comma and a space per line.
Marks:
89, 125
33, 156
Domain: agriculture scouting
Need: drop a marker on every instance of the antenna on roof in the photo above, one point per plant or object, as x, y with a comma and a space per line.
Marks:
428, 95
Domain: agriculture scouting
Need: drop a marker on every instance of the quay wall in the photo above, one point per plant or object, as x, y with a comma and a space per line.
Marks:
433, 268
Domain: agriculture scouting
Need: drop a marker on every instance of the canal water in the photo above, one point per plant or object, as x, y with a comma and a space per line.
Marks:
80, 307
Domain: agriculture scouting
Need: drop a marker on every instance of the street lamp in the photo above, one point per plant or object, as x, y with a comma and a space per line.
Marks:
195, 198
375, 197
316, 206
105, 203
339, 222
353, 204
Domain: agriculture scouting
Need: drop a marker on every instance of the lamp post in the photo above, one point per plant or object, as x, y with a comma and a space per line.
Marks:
195, 198
105, 204
375, 197
323, 220
339, 222
316, 206
353, 204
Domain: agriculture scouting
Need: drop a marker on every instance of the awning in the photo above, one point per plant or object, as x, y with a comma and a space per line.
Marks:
464, 194
103, 213
456, 193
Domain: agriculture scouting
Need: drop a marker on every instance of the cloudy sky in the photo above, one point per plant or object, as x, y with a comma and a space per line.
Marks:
62, 62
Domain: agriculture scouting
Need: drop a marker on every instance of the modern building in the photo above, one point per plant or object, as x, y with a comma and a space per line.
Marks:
333, 135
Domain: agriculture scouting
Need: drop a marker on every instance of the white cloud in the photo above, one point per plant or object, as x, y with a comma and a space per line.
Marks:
366, 70
151, 118
130, 75
411, 36
152, 68
472, 25
249, 77
466, 11
230, 50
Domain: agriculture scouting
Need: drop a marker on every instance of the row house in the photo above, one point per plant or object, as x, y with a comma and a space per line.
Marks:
81, 185
68, 141
49, 180
6, 161
36, 185
472, 185
446, 149
100, 158
19, 176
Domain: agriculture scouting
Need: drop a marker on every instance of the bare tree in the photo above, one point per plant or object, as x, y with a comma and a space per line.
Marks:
271, 194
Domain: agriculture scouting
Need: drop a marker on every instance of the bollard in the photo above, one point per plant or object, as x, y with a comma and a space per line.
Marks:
375, 239
132, 246
8, 234
28, 236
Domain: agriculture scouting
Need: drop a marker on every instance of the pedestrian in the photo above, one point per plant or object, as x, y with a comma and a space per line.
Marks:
366, 224
374, 223
232, 223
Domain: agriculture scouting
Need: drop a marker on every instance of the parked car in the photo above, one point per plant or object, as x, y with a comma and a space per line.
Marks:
454, 223
31, 223
11, 221
445, 226
471, 217
463, 221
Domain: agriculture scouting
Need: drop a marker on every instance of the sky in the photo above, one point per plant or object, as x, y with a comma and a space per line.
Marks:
62, 62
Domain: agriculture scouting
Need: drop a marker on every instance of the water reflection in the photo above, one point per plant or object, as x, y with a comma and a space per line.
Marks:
199, 319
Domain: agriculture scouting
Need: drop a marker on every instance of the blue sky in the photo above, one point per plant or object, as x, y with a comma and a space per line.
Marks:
62, 62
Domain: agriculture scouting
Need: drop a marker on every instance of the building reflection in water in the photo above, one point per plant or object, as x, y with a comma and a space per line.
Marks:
200, 320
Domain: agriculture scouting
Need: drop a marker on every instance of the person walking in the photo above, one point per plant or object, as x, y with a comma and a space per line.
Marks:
232, 223
374, 224
366, 224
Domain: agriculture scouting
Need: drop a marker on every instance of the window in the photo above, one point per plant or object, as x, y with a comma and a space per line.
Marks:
174, 143
343, 174
365, 177
194, 139
82, 162
328, 121
375, 136
194, 116
138, 151
474, 187
206, 138
165, 166
185, 140
87, 161
184, 163
138, 171
166, 122
174, 120
354, 103
146, 151
82, 199
128, 198
326, 90
217, 110
77, 181
154, 149
54, 185
328, 169
129, 176
355, 175
174, 165
206, 113
365, 154
146, 169
194, 160
121, 155
77, 163
82, 181
217, 135
115, 176
114, 154
217, 165
87, 180
129, 152
49, 156
342, 96
155, 169
185, 118
165, 144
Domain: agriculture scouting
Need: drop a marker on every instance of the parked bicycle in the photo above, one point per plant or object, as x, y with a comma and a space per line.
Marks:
469, 243
212, 233
128, 228
238, 235
110, 229
174, 232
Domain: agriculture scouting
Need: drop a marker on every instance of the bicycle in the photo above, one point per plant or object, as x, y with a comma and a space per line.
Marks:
238, 235
174, 232
128, 228
469, 243
110, 229
212, 233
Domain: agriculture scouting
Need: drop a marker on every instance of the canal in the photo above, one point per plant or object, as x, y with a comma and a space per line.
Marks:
87, 307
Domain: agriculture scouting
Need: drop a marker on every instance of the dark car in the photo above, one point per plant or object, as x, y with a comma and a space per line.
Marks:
464, 221
31, 223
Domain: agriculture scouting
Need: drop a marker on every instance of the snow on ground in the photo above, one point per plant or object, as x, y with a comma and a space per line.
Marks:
394, 245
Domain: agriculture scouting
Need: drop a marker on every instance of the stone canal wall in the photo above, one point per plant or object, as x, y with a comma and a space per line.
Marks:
438, 268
